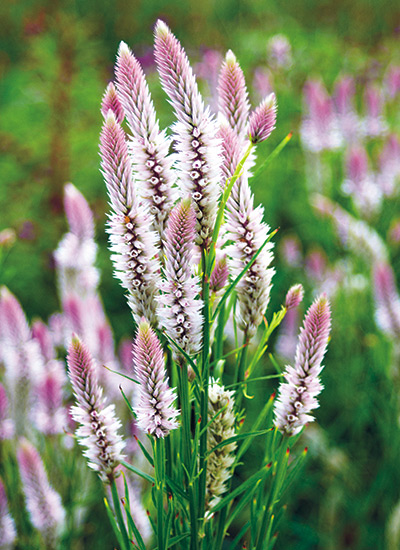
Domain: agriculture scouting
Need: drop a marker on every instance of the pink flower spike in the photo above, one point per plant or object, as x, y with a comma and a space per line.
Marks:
49, 413
180, 308
42, 334
78, 212
98, 430
195, 133
149, 146
155, 412
387, 300
233, 102
43, 503
220, 274
6, 423
297, 396
111, 103
8, 532
294, 296
262, 120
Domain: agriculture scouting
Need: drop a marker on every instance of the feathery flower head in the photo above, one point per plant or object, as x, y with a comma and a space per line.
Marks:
319, 129
195, 133
78, 212
294, 296
279, 51
387, 300
7, 238
262, 120
155, 411
297, 396
180, 309
6, 423
389, 166
111, 103
220, 274
8, 533
13, 324
42, 501
149, 146
132, 240
233, 101
220, 429
98, 430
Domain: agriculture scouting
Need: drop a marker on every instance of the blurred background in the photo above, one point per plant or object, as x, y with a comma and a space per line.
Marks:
56, 59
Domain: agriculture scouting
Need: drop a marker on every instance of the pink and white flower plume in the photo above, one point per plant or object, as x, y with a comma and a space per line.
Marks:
262, 121
294, 296
8, 532
297, 396
132, 240
195, 132
387, 300
148, 145
6, 423
98, 430
179, 305
233, 101
155, 412
42, 501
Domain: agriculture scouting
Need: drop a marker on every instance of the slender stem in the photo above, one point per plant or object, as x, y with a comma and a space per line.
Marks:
240, 370
118, 513
205, 373
159, 466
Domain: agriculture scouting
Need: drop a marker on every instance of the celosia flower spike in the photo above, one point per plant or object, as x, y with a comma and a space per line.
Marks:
155, 411
294, 296
180, 308
98, 430
149, 145
194, 133
387, 300
220, 402
111, 103
262, 120
132, 240
233, 102
42, 501
297, 396
8, 533
220, 274
6, 423
245, 228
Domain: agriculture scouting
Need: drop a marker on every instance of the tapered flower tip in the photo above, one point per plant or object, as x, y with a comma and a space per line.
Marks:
230, 58
111, 102
294, 296
79, 215
144, 326
161, 29
123, 49
262, 120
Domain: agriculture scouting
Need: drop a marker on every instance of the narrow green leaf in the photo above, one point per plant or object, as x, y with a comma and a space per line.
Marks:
114, 524
241, 274
236, 438
135, 530
135, 470
273, 155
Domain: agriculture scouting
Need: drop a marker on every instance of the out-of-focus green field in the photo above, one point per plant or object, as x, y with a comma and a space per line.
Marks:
55, 61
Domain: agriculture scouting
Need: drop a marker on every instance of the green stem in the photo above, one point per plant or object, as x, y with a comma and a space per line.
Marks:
159, 466
118, 513
205, 374
240, 371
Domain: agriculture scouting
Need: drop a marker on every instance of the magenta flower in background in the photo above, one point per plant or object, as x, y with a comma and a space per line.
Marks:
262, 83
148, 145
6, 423
50, 416
279, 52
389, 166
8, 533
198, 157
98, 430
208, 69
393, 81
180, 307
155, 411
297, 396
319, 128
42, 501
374, 124
387, 300
348, 121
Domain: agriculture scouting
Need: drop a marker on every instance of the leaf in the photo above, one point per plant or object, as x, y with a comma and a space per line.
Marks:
236, 438
135, 470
